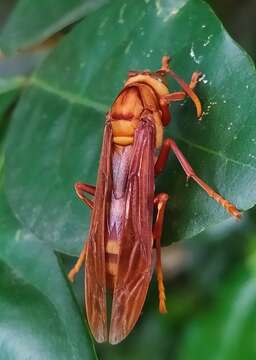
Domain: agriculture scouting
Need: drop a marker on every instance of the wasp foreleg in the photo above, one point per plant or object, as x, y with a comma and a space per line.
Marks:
165, 100
160, 201
180, 95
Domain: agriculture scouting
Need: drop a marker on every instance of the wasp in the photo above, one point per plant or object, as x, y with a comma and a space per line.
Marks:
123, 237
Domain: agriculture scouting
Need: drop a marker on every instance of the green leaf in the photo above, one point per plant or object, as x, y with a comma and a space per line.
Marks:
7, 85
39, 316
227, 330
38, 310
22, 64
32, 21
57, 127
6, 100
13, 76
9, 91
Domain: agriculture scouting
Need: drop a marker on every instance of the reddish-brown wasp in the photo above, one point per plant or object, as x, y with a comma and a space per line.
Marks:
122, 238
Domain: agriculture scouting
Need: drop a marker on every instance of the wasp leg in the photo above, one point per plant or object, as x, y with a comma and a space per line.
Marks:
180, 95
81, 188
188, 89
169, 145
160, 201
165, 100
80, 261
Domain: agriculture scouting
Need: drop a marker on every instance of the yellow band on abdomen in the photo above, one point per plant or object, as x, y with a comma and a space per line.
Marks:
123, 140
112, 247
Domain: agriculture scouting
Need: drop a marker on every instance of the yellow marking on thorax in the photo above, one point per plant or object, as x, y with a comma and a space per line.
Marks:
129, 102
124, 127
159, 87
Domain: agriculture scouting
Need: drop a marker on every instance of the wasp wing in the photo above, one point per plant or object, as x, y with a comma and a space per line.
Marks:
95, 274
135, 255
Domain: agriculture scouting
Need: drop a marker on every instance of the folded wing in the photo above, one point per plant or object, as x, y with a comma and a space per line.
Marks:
95, 283
135, 256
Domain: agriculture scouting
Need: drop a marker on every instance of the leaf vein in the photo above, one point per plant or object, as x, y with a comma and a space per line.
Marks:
68, 96
215, 153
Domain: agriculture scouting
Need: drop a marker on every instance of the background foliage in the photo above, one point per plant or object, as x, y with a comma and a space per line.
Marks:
60, 68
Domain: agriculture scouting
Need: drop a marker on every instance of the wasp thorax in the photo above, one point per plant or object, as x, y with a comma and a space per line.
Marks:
154, 79
125, 114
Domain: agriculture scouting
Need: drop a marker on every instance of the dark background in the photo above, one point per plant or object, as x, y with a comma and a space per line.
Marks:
238, 18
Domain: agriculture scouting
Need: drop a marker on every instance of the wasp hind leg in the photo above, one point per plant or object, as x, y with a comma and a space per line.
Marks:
80, 261
160, 201
170, 145
80, 189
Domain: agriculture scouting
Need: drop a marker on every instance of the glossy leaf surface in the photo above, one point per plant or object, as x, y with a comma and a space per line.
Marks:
34, 21
39, 316
227, 330
56, 130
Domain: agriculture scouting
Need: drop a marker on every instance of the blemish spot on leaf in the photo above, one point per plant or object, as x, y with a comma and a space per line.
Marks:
169, 9
203, 79
128, 47
208, 40
197, 59
158, 8
103, 22
121, 14
230, 126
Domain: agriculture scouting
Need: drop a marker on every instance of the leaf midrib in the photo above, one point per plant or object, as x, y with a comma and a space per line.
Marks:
68, 96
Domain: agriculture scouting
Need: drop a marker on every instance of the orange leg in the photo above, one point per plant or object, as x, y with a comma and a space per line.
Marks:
188, 89
160, 201
80, 189
165, 100
80, 261
169, 145
180, 95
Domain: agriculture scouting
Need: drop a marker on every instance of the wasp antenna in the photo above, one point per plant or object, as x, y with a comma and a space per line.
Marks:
132, 73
